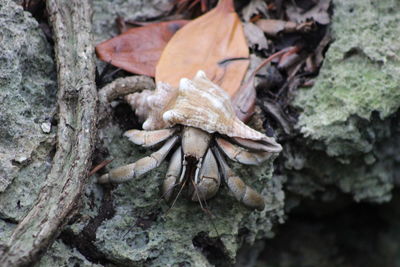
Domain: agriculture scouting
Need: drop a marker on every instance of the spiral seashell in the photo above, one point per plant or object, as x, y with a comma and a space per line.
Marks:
198, 103
202, 104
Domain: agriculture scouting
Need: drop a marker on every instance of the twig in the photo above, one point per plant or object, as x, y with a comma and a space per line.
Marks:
59, 198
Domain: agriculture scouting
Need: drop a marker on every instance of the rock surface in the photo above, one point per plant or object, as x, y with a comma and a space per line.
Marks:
27, 94
348, 118
350, 127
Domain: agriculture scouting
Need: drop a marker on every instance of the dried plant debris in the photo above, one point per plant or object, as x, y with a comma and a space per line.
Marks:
254, 8
266, 33
256, 39
273, 27
318, 12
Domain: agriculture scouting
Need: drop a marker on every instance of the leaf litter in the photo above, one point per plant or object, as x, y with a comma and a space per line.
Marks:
295, 33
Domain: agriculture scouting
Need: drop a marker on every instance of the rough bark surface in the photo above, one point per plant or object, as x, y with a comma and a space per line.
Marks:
77, 104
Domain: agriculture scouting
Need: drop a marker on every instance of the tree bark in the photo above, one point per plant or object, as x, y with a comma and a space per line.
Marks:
77, 104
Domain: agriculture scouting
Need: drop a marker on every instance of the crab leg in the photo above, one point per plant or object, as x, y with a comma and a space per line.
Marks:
174, 170
242, 155
242, 192
149, 138
140, 167
209, 179
270, 146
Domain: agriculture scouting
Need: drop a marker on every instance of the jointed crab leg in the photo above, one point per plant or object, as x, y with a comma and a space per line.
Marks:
140, 167
149, 138
270, 146
240, 190
209, 179
239, 154
173, 173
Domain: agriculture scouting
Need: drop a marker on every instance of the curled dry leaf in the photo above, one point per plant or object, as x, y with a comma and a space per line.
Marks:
274, 27
244, 100
255, 7
255, 36
318, 13
275, 109
139, 49
215, 43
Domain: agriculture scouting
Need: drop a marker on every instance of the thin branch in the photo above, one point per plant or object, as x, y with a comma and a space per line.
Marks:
59, 198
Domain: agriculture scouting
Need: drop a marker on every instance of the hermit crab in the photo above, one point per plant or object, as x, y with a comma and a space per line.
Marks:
197, 124
190, 113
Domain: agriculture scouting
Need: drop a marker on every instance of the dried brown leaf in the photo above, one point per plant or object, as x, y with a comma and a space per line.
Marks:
139, 49
215, 43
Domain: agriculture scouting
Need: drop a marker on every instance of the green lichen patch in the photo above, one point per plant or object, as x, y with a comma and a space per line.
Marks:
348, 118
359, 75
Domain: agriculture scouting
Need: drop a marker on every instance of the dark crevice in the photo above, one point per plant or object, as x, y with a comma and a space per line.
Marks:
349, 235
125, 117
83, 241
212, 248
9, 220
39, 12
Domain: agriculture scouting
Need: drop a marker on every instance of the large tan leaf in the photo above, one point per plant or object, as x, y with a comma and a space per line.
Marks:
139, 49
215, 43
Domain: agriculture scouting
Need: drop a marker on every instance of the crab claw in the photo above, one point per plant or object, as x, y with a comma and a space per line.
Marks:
242, 155
209, 180
140, 167
242, 192
172, 175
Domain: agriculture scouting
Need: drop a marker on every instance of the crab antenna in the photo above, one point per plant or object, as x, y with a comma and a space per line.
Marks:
176, 198
211, 217
207, 209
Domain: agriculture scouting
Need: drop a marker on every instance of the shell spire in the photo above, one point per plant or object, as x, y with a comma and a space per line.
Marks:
197, 103
202, 104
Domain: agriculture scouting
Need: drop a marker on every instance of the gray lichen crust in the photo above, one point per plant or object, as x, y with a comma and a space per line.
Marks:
347, 118
27, 97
